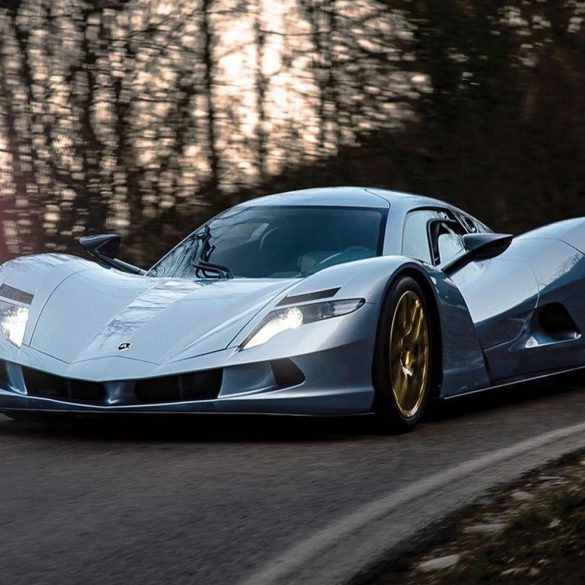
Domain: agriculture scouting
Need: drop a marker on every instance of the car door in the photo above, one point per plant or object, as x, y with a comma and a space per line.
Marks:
501, 293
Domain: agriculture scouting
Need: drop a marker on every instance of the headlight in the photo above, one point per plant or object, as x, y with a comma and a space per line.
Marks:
293, 317
13, 320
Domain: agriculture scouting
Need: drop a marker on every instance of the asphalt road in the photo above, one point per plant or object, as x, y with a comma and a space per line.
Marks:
216, 500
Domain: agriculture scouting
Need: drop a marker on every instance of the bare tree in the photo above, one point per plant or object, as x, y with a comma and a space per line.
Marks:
208, 41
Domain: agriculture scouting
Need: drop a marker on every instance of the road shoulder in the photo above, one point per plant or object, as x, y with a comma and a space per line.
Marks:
352, 548
529, 531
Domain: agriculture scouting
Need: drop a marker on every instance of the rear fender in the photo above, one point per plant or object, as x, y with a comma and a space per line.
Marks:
570, 231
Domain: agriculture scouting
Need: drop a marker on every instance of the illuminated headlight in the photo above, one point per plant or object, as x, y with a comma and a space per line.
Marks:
13, 320
293, 317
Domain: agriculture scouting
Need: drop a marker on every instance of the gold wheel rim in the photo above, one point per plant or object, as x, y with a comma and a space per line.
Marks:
409, 353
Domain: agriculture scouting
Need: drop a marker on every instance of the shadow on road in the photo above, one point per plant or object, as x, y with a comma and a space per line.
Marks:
252, 428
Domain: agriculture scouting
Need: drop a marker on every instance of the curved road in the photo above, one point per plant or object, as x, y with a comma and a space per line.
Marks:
232, 501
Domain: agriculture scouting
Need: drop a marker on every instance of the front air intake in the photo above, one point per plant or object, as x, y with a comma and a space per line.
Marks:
3, 375
46, 385
182, 388
286, 373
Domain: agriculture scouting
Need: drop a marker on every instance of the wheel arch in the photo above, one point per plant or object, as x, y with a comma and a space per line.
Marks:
423, 280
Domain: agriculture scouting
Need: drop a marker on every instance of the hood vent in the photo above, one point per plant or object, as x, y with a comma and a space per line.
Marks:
314, 296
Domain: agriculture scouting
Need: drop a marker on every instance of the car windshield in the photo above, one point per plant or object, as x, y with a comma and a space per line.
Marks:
275, 242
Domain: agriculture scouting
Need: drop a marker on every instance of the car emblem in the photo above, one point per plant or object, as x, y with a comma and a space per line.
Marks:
124, 346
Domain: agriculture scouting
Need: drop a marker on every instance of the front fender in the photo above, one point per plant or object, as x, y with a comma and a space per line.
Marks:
364, 279
462, 359
37, 276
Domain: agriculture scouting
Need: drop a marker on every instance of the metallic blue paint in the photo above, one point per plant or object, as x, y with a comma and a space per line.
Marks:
488, 312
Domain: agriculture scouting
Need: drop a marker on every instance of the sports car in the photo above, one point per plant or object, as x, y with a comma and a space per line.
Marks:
331, 301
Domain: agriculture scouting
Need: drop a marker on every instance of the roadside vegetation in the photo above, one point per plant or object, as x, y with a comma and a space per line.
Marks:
532, 531
148, 117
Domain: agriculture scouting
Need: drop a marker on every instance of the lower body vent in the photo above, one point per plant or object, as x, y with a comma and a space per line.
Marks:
182, 388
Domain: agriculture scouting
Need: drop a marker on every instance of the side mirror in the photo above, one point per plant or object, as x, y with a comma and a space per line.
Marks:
486, 245
107, 245
105, 248
479, 247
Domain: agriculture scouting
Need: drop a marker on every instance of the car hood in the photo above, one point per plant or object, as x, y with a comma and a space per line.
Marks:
98, 313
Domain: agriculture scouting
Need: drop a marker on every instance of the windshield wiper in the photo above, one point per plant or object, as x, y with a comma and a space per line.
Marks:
201, 261
202, 266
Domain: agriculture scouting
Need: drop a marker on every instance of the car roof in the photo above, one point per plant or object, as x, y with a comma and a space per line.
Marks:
347, 196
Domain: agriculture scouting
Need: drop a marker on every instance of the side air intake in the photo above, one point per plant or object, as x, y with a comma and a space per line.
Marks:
557, 323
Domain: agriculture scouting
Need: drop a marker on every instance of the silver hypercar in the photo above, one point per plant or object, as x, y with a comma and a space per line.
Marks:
325, 302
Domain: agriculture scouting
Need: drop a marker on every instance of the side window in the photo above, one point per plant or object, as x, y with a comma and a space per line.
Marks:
472, 225
415, 239
481, 227
467, 223
437, 242
449, 241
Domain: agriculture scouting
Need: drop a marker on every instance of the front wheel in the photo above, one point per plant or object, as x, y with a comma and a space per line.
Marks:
402, 372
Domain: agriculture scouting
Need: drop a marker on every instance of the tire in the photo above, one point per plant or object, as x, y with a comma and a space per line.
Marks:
403, 357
